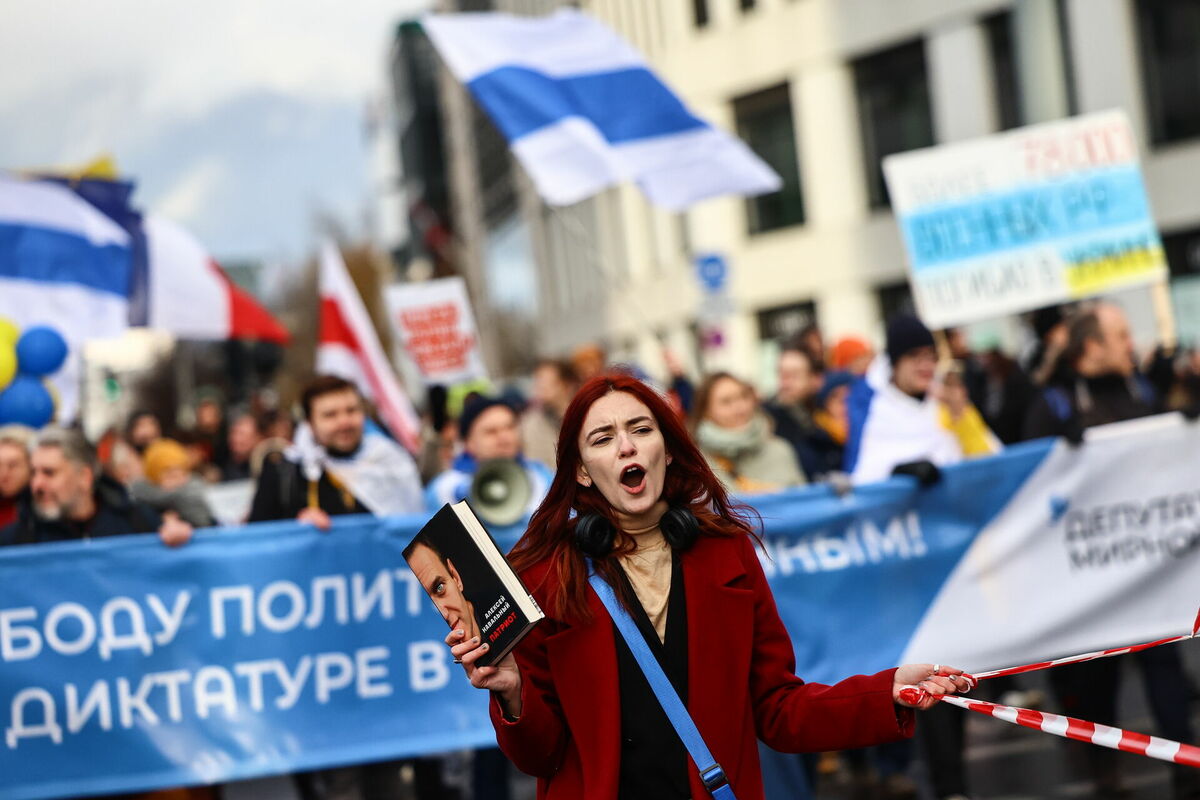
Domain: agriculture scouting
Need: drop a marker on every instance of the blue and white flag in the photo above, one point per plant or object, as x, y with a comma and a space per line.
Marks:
582, 111
64, 264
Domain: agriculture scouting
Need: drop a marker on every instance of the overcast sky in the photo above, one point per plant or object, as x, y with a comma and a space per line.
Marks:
242, 119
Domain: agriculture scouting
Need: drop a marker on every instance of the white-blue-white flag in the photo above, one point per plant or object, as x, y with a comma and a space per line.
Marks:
582, 111
64, 264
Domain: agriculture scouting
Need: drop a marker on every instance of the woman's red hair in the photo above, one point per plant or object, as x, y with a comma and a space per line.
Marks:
689, 483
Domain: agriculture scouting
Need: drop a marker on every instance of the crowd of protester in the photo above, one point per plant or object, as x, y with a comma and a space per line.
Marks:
841, 413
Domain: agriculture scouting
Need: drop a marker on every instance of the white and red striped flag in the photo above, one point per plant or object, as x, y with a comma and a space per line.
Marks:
347, 345
191, 296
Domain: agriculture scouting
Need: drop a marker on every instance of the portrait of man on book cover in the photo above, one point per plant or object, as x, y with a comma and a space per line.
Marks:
443, 583
465, 575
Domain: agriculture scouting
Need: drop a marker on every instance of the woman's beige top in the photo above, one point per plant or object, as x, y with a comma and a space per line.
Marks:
649, 571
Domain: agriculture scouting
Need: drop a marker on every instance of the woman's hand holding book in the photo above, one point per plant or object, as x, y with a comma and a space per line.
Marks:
503, 678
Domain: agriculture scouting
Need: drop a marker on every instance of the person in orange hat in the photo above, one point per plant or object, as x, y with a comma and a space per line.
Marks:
851, 354
588, 360
169, 484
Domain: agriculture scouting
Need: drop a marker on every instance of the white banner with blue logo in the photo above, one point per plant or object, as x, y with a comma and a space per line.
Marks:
274, 648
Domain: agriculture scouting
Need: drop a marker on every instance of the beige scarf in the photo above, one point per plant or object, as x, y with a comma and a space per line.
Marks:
649, 571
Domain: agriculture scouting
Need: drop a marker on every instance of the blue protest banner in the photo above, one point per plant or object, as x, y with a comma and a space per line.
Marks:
252, 651
273, 648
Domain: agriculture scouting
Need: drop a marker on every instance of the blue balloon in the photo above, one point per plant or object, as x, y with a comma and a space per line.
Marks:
26, 402
41, 350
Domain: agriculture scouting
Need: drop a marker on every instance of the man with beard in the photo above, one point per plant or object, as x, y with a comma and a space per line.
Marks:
70, 499
1094, 383
336, 466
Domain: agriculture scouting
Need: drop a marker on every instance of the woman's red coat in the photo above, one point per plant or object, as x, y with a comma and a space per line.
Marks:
741, 686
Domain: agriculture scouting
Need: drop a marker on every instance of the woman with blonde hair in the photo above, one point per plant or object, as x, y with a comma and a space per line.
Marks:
736, 437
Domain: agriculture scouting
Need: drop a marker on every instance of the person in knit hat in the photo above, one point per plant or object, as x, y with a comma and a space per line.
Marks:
165, 464
169, 485
894, 418
832, 418
490, 430
852, 355
898, 425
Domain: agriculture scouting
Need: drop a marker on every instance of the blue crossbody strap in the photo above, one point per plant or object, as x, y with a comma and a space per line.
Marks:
711, 773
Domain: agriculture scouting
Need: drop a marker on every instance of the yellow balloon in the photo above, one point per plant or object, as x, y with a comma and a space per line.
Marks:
8, 363
9, 332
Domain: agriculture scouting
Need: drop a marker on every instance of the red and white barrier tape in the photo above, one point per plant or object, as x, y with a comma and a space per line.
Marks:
1114, 651
1071, 728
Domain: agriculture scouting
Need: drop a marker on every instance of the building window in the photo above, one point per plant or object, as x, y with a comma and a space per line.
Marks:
895, 298
1068, 56
778, 327
781, 324
1170, 40
764, 121
494, 168
999, 30
1183, 252
700, 13
893, 109
684, 232
1183, 257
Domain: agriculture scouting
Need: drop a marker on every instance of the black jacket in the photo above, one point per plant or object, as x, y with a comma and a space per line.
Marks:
282, 493
116, 514
1070, 403
816, 451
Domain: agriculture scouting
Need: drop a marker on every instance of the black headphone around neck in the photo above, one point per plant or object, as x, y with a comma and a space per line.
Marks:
595, 535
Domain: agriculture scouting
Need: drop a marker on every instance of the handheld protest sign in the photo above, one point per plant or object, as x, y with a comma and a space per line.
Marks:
1032, 217
433, 320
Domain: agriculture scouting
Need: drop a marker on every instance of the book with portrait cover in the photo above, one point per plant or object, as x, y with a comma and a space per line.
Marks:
470, 582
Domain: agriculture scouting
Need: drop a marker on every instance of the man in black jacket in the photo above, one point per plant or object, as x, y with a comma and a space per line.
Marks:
335, 467
69, 499
1097, 383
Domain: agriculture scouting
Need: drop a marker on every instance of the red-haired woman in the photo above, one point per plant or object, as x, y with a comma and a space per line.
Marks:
572, 707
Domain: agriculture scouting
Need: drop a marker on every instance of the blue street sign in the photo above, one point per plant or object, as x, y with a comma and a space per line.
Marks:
712, 271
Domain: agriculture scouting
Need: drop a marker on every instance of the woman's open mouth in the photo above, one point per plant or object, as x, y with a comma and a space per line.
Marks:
633, 479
